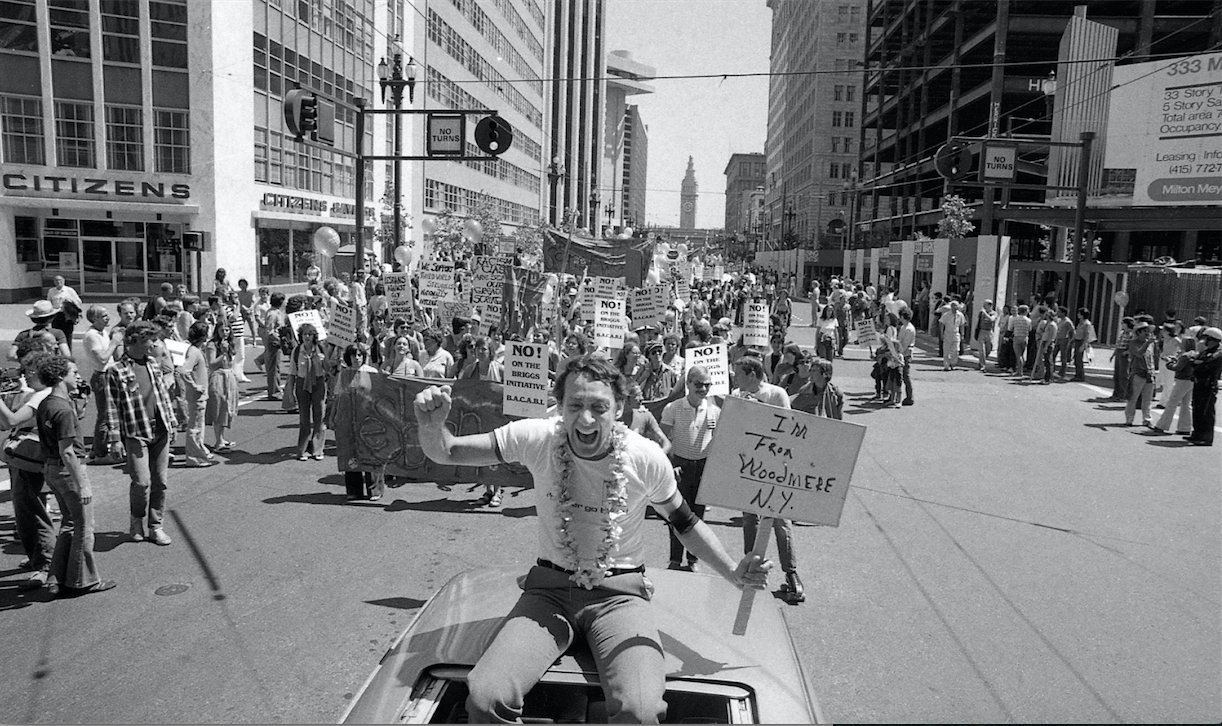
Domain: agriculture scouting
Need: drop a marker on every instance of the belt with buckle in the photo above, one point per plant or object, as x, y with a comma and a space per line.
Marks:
610, 573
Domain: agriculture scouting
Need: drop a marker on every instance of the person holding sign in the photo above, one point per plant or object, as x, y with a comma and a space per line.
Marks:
594, 478
749, 375
689, 424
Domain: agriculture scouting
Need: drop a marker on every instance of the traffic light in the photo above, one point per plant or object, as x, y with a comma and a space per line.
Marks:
953, 161
307, 118
308, 114
493, 135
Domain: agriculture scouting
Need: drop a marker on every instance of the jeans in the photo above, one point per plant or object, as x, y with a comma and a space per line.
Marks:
1020, 354
690, 471
99, 446
148, 464
1181, 395
615, 619
362, 485
72, 562
196, 452
784, 539
1120, 375
1079, 350
34, 526
1141, 388
271, 365
1061, 349
309, 417
907, 377
1204, 399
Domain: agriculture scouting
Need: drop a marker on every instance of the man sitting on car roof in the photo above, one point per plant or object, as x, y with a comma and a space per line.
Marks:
594, 480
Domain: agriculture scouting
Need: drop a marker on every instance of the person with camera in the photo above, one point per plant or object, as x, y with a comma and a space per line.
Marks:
99, 350
140, 414
59, 432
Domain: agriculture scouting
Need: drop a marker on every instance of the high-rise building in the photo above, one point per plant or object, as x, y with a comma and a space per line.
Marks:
814, 101
689, 194
130, 126
625, 77
501, 44
576, 92
636, 166
744, 172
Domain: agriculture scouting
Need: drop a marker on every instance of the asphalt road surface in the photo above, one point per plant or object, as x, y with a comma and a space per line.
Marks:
1007, 553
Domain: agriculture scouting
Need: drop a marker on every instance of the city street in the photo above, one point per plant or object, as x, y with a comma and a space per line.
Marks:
1008, 552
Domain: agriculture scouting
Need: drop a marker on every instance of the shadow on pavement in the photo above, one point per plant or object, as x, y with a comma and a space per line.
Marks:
13, 599
237, 456
400, 603
1170, 443
1106, 426
107, 541
314, 498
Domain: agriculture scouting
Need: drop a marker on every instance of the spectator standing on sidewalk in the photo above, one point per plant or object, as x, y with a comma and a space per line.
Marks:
1120, 360
140, 414
1141, 374
272, 323
64, 299
99, 350
63, 445
40, 316
193, 375
1064, 340
1180, 393
1206, 368
952, 323
1083, 336
1020, 328
986, 323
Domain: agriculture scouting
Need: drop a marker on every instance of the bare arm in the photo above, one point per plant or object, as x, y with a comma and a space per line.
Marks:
750, 571
432, 407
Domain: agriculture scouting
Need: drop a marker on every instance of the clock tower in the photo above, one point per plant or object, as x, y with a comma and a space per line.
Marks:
687, 198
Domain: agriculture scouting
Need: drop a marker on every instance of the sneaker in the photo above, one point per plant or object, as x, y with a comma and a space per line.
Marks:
35, 581
136, 530
158, 537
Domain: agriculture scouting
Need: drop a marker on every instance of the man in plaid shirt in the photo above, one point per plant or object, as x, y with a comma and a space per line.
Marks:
140, 416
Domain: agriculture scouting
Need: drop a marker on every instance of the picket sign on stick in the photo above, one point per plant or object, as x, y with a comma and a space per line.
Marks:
777, 462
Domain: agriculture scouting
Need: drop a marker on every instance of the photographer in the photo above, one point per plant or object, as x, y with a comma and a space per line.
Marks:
99, 350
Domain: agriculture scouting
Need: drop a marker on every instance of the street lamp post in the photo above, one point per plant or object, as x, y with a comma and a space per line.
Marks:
395, 77
594, 213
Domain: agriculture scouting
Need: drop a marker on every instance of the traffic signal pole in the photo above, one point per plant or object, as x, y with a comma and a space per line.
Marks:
1079, 221
358, 236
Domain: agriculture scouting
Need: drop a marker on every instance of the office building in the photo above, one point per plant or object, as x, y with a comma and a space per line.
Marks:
625, 77
636, 166
744, 173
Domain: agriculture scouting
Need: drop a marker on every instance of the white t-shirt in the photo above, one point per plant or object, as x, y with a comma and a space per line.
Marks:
90, 361
650, 479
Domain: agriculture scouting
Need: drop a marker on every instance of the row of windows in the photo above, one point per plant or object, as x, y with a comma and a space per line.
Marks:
844, 119
840, 170
336, 20
842, 145
844, 198
277, 69
503, 170
75, 145
536, 12
279, 160
844, 93
445, 91
452, 42
439, 195
486, 27
849, 38
70, 26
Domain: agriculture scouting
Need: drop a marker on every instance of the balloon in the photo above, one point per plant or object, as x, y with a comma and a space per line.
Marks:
683, 250
326, 241
653, 277
403, 255
628, 231
663, 248
474, 229
429, 225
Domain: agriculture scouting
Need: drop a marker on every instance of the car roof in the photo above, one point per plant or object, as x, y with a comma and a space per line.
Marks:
694, 614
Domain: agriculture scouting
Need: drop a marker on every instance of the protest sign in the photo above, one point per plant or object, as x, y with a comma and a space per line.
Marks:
608, 288
649, 305
610, 325
301, 317
526, 385
777, 462
587, 292
522, 301
436, 283
447, 310
342, 330
866, 334
487, 279
715, 359
489, 316
178, 351
756, 332
398, 286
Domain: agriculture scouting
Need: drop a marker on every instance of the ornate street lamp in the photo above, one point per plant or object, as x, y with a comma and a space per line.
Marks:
395, 77
594, 198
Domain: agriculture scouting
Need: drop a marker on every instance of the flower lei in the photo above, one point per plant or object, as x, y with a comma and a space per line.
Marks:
589, 572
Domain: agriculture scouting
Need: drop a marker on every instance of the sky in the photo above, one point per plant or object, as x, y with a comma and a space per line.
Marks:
707, 119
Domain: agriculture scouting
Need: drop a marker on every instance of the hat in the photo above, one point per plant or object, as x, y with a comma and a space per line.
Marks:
724, 322
1140, 325
653, 346
1215, 333
41, 309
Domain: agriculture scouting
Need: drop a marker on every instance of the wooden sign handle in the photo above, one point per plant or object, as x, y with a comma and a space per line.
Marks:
763, 535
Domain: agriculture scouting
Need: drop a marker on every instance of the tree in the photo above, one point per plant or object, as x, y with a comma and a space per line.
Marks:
384, 233
451, 241
955, 215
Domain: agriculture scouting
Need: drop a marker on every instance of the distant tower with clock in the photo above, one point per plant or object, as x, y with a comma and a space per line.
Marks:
687, 197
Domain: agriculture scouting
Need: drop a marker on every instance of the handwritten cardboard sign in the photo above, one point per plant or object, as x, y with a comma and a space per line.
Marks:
610, 323
526, 385
447, 310
487, 280
756, 332
436, 283
301, 317
342, 330
715, 358
398, 286
777, 462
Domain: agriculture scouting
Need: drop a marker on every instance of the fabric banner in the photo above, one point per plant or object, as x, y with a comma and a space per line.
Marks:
375, 427
522, 302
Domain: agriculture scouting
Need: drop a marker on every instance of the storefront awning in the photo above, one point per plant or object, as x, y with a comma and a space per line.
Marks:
305, 220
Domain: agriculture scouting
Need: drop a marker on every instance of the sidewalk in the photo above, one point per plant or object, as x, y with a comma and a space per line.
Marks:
1101, 366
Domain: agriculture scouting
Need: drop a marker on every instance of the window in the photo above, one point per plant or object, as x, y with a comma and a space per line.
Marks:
835, 144
848, 144
169, 32
846, 170
17, 29
842, 38
838, 94
74, 134
121, 31
172, 141
852, 38
855, 13
69, 28
833, 170
260, 154
124, 138
849, 119
837, 118
831, 199
23, 140
843, 12
850, 93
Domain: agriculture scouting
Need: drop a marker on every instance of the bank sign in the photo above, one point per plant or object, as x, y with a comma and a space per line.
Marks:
90, 187
1164, 133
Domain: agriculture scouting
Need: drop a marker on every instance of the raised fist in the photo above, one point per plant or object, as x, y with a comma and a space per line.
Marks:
433, 406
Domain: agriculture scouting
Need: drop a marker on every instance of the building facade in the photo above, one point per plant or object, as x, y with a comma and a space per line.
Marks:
814, 100
636, 167
625, 77
744, 172
689, 195
144, 140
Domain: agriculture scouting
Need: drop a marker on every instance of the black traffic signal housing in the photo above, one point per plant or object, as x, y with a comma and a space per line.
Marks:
307, 113
953, 161
493, 135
